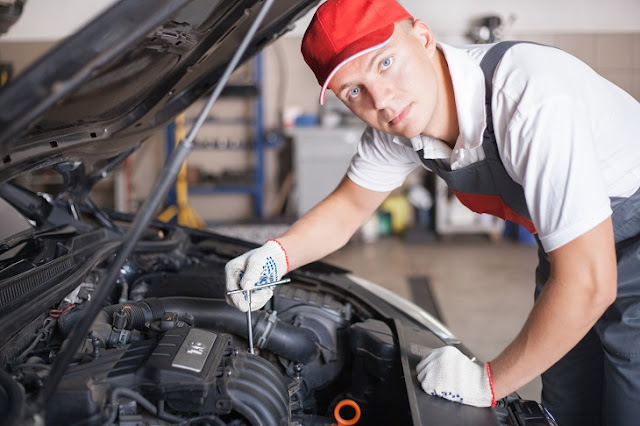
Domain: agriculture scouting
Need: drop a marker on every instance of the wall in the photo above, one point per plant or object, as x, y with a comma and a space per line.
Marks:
615, 56
541, 16
44, 21
52, 20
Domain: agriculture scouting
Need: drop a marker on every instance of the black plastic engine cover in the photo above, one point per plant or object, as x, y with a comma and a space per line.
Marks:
191, 369
184, 368
196, 371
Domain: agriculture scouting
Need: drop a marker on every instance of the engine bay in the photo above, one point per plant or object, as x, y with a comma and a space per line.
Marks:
168, 349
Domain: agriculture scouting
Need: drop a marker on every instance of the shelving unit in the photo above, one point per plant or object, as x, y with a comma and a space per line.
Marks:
256, 144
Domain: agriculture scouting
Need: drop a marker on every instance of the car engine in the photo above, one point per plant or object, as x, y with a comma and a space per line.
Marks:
168, 349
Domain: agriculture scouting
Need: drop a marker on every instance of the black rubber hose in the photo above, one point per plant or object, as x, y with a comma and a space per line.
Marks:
294, 343
12, 400
139, 312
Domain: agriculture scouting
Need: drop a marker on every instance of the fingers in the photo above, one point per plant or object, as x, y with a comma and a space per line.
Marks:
259, 271
234, 271
425, 360
238, 301
438, 360
257, 267
241, 276
259, 298
448, 373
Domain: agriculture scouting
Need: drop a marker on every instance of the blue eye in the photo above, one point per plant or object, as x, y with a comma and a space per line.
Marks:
354, 92
386, 63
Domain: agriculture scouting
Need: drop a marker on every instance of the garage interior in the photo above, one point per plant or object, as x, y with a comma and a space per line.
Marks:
268, 155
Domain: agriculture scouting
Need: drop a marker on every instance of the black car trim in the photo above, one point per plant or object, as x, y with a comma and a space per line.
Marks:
45, 299
25, 99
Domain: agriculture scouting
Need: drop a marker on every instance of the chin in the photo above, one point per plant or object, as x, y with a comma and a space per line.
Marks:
405, 132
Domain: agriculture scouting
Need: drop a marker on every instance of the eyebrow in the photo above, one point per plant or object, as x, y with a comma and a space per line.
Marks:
382, 52
375, 58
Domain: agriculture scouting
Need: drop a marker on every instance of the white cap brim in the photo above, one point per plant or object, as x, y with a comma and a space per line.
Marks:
323, 91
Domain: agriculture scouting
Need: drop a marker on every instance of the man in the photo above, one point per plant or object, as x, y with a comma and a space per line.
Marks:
554, 147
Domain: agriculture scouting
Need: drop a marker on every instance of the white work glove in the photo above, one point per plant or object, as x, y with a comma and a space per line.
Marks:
259, 266
448, 373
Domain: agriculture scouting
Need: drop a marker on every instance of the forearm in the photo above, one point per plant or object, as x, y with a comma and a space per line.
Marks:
582, 285
330, 224
316, 235
559, 319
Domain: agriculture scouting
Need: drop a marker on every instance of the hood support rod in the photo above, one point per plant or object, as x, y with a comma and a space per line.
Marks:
140, 223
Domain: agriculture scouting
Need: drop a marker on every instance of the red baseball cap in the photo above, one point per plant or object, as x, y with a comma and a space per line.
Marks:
342, 30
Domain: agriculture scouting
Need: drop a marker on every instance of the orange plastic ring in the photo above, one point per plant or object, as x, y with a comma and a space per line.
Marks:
347, 403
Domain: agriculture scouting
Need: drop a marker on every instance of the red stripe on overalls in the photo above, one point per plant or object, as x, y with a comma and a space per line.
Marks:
495, 206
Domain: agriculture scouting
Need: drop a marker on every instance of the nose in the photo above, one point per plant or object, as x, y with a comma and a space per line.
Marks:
381, 94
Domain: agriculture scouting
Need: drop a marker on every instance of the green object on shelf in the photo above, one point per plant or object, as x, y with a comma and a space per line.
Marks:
384, 222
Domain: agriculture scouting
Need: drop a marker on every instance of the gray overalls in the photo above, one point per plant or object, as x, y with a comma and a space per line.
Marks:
598, 381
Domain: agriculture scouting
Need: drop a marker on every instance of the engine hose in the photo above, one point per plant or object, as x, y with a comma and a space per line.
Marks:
292, 342
12, 399
139, 312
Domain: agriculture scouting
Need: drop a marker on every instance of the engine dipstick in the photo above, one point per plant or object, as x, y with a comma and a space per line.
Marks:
248, 292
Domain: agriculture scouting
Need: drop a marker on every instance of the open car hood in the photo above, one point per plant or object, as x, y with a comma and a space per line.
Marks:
103, 90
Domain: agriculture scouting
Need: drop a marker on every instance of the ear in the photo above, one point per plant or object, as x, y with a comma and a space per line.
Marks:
423, 33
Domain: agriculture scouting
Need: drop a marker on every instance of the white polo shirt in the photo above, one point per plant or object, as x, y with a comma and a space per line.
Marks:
567, 135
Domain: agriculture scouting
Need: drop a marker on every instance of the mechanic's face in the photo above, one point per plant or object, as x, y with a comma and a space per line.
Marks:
393, 89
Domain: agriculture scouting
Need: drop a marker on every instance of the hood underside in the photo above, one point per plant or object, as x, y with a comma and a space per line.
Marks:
102, 91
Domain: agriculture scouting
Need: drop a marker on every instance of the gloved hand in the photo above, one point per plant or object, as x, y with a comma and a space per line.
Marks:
448, 373
262, 265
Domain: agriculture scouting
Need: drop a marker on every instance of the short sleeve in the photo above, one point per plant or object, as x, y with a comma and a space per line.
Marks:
381, 164
550, 151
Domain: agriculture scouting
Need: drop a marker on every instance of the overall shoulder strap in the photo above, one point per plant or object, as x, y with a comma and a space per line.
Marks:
488, 65
490, 61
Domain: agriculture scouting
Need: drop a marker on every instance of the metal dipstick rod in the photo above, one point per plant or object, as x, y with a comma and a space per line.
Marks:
248, 292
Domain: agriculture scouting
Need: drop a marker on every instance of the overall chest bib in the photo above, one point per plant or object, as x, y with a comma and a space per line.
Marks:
608, 357
485, 186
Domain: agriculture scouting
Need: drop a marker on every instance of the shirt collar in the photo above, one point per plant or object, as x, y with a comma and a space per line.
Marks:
468, 89
433, 148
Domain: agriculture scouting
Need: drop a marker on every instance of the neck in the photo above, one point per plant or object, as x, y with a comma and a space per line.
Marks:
444, 125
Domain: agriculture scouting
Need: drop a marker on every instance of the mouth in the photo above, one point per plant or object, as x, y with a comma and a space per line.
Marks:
400, 117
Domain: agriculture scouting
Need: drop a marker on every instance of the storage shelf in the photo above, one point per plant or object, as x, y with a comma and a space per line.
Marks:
223, 189
231, 121
223, 145
256, 144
